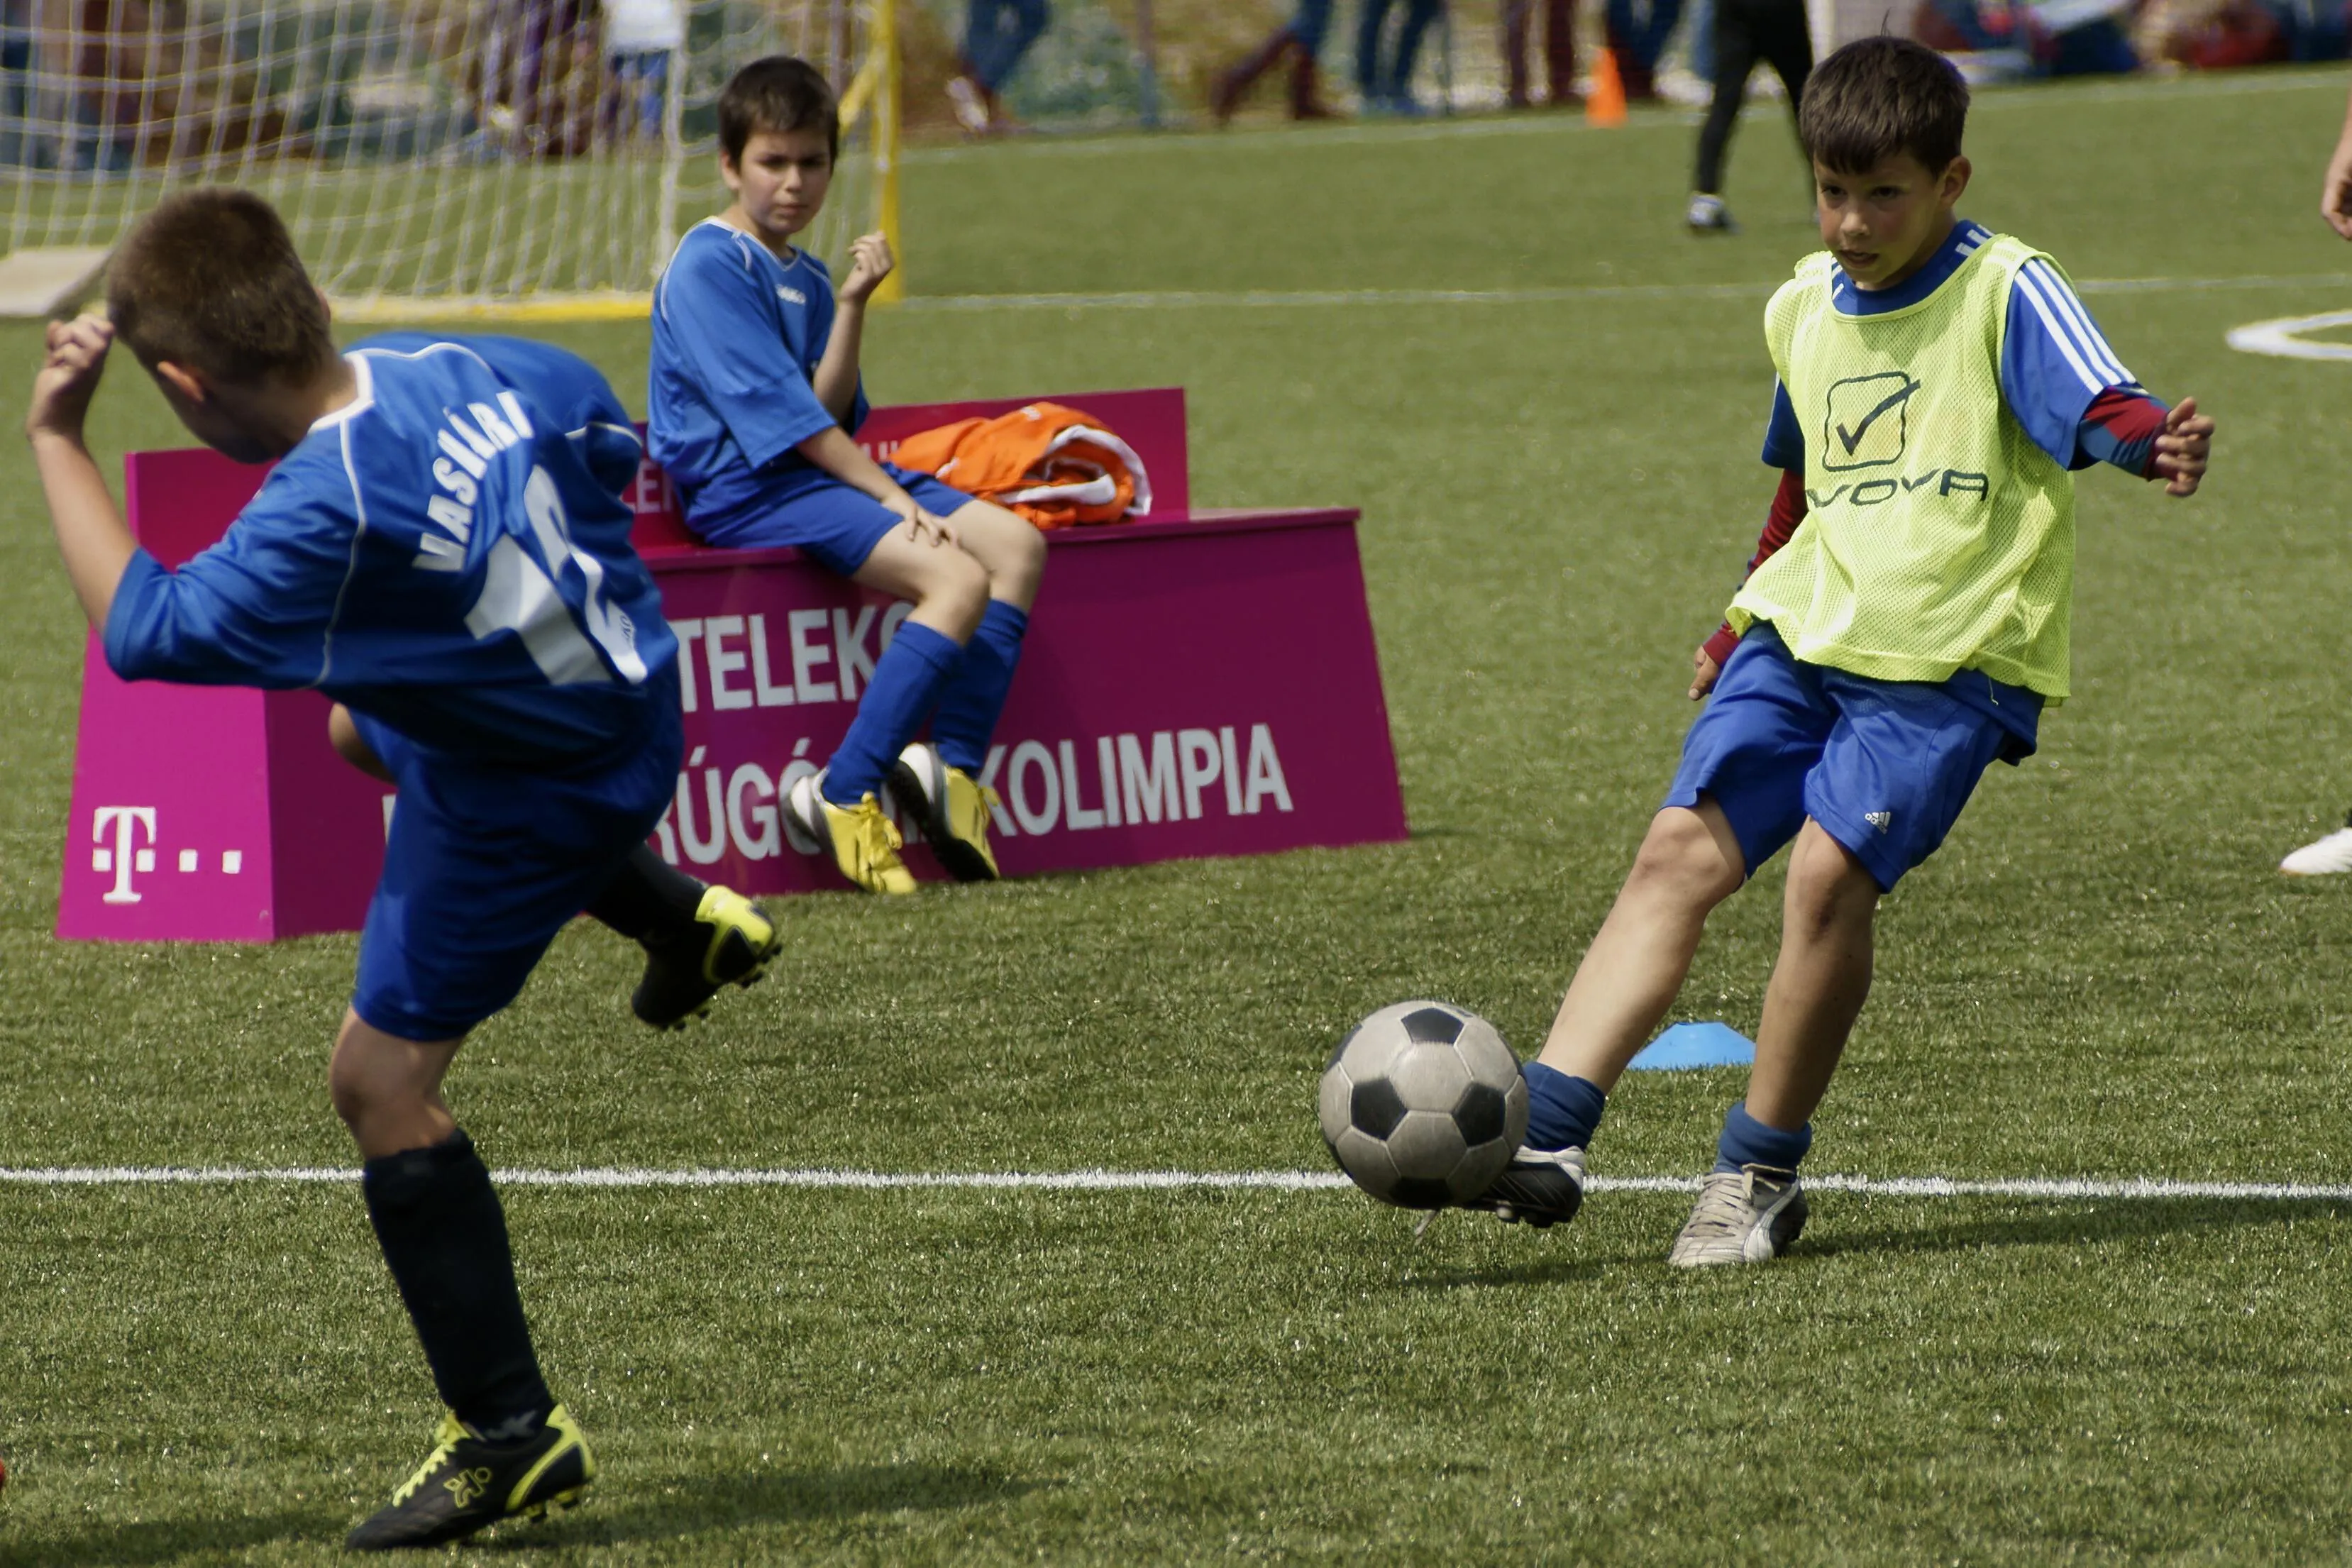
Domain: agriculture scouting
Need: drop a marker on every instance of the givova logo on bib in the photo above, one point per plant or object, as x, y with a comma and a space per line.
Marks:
1869, 420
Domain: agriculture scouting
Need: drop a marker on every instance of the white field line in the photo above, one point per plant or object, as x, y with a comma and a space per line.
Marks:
2143, 1188
1308, 299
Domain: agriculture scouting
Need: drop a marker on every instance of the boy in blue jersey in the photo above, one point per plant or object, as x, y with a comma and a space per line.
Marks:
442, 550
755, 390
1901, 628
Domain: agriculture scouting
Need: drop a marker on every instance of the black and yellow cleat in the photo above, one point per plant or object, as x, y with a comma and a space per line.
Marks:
954, 807
863, 841
466, 1484
729, 942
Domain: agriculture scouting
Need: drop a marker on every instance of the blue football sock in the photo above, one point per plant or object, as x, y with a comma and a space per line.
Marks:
1563, 1111
1748, 1141
968, 710
906, 684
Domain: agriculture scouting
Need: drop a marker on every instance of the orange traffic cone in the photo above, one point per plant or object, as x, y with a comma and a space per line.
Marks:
1605, 103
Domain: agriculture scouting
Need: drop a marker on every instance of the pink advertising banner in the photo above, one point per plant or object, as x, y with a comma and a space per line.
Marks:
1202, 683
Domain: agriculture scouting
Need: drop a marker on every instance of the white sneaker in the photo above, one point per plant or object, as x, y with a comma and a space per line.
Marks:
969, 105
2325, 858
1709, 214
1747, 1215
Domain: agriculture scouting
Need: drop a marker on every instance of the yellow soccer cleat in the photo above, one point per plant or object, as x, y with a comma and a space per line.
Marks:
729, 942
954, 807
468, 1484
864, 843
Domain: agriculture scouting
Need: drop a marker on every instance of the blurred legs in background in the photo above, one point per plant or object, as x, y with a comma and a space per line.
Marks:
1560, 50
1638, 31
1744, 31
1301, 43
997, 35
1386, 80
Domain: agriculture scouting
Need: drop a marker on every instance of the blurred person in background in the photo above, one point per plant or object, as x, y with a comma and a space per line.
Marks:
1744, 31
997, 35
1384, 78
1299, 41
1638, 31
640, 36
2331, 856
1560, 50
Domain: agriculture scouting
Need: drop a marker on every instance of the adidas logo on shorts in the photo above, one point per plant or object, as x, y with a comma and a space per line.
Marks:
1881, 820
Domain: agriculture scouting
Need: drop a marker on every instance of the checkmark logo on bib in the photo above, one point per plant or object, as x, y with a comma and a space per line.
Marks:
1868, 420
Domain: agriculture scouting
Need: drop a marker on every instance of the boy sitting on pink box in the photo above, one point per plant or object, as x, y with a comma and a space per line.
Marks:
755, 389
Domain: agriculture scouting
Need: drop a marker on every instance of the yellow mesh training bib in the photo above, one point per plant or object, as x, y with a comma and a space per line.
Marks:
1937, 536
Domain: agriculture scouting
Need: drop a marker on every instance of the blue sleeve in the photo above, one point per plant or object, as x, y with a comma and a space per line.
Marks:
570, 393
2054, 362
256, 609
1784, 439
729, 344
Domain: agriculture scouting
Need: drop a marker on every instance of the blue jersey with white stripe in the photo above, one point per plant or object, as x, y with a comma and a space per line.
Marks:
737, 335
2054, 362
447, 553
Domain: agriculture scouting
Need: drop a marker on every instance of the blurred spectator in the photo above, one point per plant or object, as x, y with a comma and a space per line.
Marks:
2056, 38
2218, 34
1385, 80
533, 69
1745, 30
1300, 42
640, 36
1560, 50
997, 34
1637, 32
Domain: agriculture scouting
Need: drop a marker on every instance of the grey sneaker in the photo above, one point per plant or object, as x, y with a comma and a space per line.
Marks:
1747, 1215
1543, 1187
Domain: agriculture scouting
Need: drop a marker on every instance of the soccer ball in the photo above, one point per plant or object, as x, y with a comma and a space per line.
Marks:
1422, 1105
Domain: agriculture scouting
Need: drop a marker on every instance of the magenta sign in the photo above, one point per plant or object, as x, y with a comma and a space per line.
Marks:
1201, 684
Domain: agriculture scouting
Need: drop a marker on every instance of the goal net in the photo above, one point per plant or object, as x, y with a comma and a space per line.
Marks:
432, 157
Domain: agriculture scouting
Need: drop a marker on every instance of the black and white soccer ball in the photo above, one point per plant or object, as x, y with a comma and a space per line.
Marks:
1422, 1104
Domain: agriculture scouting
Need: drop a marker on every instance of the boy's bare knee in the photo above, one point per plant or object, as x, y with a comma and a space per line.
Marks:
957, 595
1828, 887
1682, 858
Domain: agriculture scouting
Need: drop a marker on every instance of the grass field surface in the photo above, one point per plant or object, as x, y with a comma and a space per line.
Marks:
2099, 976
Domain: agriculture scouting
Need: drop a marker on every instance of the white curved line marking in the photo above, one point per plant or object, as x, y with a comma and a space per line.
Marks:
2283, 337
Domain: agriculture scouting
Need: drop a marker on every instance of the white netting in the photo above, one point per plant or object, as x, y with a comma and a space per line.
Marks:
433, 152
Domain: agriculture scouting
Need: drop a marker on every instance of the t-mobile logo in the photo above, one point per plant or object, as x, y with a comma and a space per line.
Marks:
126, 853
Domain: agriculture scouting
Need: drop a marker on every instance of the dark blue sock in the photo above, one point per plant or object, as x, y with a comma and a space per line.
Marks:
1748, 1141
968, 710
1563, 1111
905, 687
445, 1239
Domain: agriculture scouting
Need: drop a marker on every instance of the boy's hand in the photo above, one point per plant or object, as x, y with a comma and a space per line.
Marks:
1704, 669
870, 262
2180, 451
68, 377
921, 522
2336, 192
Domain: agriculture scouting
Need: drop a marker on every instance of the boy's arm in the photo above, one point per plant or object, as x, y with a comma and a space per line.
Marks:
91, 535
836, 381
833, 450
1788, 510
2336, 194
2078, 403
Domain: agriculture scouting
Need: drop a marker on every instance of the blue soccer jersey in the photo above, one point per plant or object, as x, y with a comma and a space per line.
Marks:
447, 554
2055, 362
737, 338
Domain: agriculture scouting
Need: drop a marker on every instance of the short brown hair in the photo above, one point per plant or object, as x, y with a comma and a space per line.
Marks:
1880, 97
779, 93
209, 280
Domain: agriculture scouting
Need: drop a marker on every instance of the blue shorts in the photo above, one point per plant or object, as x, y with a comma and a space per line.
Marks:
836, 525
485, 864
1885, 766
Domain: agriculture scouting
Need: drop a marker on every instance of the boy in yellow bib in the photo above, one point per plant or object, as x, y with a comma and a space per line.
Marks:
1903, 623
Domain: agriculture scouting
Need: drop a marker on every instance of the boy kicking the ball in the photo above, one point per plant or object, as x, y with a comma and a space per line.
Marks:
1903, 624
755, 393
442, 550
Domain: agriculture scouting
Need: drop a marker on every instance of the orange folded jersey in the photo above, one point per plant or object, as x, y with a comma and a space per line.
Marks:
1055, 466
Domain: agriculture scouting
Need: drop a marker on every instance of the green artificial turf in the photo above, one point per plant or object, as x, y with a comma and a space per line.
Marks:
2100, 975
